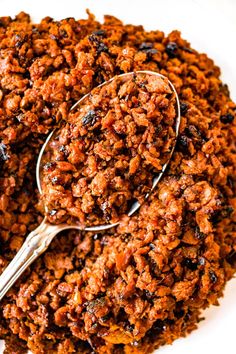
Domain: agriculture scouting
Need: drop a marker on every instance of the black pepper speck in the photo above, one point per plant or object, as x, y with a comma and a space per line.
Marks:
3, 152
190, 264
231, 258
89, 118
227, 118
183, 141
49, 166
96, 41
145, 45
213, 276
55, 180
172, 49
183, 108
100, 33
198, 234
201, 261
152, 246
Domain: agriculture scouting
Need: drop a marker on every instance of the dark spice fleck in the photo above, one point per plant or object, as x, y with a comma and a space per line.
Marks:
158, 129
198, 234
63, 33
55, 180
227, 118
183, 141
93, 305
149, 295
35, 30
105, 206
231, 258
172, 49
190, 264
49, 166
63, 149
3, 153
183, 108
104, 241
179, 314
2, 23
201, 261
53, 37
187, 317
19, 117
100, 46
20, 41
223, 213
27, 75
145, 45
150, 52
129, 327
158, 327
152, 246
147, 48
142, 85
216, 217
105, 318
227, 211
230, 182
193, 131
100, 33
89, 118
213, 276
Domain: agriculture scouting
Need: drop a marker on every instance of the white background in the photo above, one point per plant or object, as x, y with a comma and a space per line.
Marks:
210, 26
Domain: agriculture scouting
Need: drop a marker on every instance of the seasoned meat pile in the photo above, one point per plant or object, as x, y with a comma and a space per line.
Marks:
109, 150
144, 283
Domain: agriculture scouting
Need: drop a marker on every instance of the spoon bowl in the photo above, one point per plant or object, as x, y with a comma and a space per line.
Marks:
84, 105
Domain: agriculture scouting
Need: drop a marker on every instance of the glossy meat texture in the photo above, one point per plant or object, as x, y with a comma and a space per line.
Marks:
144, 283
107, 153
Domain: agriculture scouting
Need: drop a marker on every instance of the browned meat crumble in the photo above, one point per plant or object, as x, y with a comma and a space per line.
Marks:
144, 283
109, 150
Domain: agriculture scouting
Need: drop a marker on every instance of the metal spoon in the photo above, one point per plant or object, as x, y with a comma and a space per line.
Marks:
38, 240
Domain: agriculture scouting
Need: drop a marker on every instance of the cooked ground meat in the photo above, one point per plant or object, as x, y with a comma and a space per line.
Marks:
144, 283
107, 153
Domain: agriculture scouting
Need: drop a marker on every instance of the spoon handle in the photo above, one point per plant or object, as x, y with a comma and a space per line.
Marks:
35, 244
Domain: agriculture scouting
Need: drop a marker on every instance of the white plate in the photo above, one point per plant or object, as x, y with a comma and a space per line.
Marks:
210, 26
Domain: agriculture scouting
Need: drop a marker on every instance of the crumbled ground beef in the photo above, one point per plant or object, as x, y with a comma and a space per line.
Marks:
108, 151
144, 283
